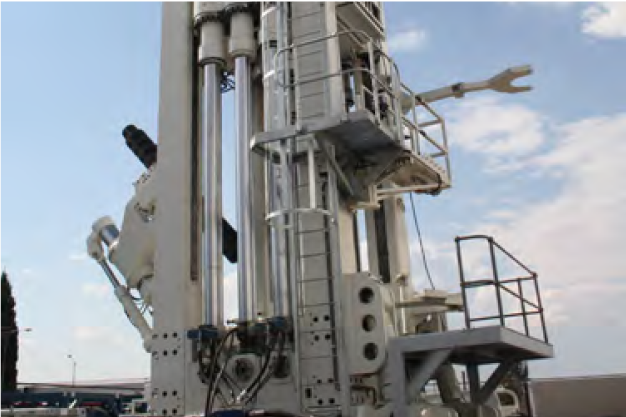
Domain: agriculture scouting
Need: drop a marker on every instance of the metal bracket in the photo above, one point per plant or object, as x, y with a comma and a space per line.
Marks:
481, 394
502, 83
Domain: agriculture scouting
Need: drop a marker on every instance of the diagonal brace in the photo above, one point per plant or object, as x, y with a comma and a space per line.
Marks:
494, 380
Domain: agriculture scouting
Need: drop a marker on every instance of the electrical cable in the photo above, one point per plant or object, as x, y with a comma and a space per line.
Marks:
419, 237
262, 371
268, 375
207, 376
221, 371
212, 369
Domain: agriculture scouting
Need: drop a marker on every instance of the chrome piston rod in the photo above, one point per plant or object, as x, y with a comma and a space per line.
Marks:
212, 271
273, 120
245, 205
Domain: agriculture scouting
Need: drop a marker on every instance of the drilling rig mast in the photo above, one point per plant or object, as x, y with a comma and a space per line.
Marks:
325, 128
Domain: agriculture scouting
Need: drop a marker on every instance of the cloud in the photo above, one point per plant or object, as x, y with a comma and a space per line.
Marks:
605, 20
89, 333
78, 257
502, 132
602, 19
551, 4
407, 40
573, 237
100, 291
99, 334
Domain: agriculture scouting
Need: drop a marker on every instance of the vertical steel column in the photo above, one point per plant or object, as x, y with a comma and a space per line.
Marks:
271, 40
245, 209
520, 291
496, 279
540, 305
212, 271
459, 259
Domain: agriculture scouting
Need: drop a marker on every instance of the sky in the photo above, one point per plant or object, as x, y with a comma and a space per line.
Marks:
541, 171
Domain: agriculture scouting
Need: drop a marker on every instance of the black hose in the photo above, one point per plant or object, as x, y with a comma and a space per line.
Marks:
257, 379
221, 371
281, 345
211, 373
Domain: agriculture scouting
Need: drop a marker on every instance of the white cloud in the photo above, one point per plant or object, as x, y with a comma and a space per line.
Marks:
574, 237
503, 132
407, 40
605, 20
78, 256
552, 4
99, 334
88, 333
441, 260
102, 290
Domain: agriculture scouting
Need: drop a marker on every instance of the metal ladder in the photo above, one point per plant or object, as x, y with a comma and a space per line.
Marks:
322, 379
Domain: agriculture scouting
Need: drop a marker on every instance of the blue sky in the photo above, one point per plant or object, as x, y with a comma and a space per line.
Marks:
542, 171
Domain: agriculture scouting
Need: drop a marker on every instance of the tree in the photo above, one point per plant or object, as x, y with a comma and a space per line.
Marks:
9, 337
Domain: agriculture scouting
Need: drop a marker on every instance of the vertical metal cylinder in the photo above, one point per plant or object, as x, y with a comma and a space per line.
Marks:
270, 30
245, 208
212, 271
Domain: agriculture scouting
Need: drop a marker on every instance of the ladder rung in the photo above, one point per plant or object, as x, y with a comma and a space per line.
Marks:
324, 408
304, 232
308, 358
312, 280
306, 184
327, 329
313, 255
317, 385
316, 305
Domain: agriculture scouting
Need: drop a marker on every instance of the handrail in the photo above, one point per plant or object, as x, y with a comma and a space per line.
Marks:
386, 82
492, 240
315, 40
501, 285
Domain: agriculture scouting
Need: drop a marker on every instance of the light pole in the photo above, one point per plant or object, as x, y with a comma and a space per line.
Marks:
9, 332
73, 369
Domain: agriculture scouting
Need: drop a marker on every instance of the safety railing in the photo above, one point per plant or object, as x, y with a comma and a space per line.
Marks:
511, 286
377, 88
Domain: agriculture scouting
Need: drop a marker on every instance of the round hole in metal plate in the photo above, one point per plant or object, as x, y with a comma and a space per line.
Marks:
366, 295
370, 351
368, 323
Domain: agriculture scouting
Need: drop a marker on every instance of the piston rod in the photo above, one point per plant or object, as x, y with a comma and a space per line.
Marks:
245, 206
212, 270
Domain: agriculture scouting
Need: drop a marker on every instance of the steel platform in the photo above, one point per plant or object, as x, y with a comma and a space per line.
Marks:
421, 356
357, 136
482, 345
